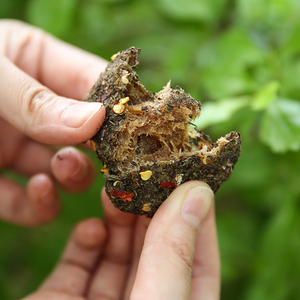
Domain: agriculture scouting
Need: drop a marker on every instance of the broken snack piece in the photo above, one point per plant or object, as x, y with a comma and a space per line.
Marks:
147, 142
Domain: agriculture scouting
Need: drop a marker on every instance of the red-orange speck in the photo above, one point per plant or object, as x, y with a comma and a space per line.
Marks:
122, 194
168, 185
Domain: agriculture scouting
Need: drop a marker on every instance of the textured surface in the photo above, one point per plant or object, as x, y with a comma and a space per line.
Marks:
148, 143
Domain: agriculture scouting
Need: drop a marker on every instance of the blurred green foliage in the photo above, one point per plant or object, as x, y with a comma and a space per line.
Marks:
241, 59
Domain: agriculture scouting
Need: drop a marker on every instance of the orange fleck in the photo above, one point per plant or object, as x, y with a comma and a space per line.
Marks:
122, 194
168, 185
146, 207
93, 144
105, 169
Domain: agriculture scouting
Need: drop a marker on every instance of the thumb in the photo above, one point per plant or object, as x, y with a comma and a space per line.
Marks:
42, 115
165, 267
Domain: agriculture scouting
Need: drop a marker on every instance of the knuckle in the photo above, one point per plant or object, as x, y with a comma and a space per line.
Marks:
183, 249
36, 96
37, 101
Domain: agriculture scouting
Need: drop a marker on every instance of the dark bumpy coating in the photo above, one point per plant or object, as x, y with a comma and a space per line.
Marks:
148, 144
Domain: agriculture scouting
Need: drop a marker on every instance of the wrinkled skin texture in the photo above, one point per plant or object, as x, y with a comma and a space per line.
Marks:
134, 257
33, 106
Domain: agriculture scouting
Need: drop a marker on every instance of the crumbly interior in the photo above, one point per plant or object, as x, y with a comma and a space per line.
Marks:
146, 134
156, 130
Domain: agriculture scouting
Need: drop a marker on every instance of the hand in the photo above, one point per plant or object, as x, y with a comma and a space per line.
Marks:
35, 69
115, 260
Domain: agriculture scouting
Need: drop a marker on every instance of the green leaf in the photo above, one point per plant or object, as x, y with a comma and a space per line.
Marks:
229, 64
280, 128
265, 96
109, 1
192, 10
11, 9
55, 16
292, 46
217, 112
290, 73
270, 21
279, 254
269, 11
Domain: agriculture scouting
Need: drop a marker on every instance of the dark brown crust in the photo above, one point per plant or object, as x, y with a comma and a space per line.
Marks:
173, 173
125, 186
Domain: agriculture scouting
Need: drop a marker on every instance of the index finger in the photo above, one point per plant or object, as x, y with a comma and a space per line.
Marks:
32, 62
64, 68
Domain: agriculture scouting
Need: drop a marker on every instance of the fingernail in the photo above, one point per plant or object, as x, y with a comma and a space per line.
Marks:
196, 204
79, 114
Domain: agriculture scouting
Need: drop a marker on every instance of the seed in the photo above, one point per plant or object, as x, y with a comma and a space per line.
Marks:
114, 56
93, 144
178, 179
124, 100
124, 79
146, 207
105, 169
119, 108
146, 175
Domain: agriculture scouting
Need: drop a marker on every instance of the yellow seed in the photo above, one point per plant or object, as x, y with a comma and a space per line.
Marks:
116, 182
119, 108
93, 144
125, 79
146, 175
146, 207
124, 100
178, 179
105, 170
114, 56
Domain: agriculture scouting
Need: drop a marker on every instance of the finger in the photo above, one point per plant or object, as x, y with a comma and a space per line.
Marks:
23, 155
42, 115
73, 272
73, 169
111, 275
139, 236
165, 267
67, 70
35, 205
32, 158
52, 295
206, 265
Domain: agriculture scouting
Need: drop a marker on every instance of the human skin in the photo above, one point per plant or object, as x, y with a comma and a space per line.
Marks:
41, 80
172, 256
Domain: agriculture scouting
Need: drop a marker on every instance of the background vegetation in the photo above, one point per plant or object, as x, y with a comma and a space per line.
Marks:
241, 59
